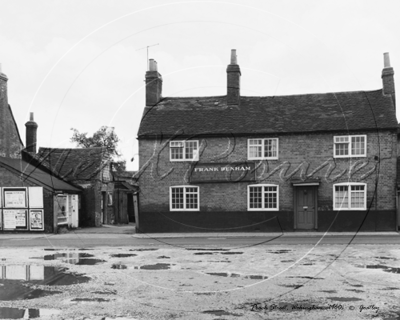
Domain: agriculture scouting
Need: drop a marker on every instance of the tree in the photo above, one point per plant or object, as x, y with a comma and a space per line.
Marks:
104, 137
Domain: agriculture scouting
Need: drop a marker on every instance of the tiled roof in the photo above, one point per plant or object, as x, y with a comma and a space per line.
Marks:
34, 174
356, 110
75, 164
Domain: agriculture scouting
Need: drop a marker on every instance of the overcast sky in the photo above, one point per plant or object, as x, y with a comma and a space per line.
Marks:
81, 64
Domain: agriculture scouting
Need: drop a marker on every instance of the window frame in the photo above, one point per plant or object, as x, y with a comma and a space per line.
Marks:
263, 149
195, 155
184, 198
350, 146
349, 185
263, 197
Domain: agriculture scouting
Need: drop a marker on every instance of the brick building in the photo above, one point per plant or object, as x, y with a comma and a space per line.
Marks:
30, 197
281, 163
88, 168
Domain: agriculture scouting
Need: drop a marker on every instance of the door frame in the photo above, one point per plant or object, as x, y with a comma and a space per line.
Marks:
314, 188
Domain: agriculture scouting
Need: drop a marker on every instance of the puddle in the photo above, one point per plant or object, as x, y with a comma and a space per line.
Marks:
391, 288
72, 258
202, 249
287, 260
236, 275
231, 252
16, 313
221, 313
355, 290
123, 255
163, 257
280, 251
344, 299
329, 291
379, 266
90, 300
16, 281
143, 249
202, 253
385, 258
296, 286
105, 292
157, 266
307, 277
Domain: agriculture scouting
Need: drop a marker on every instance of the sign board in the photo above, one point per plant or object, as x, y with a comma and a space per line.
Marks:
35, 197
14, 219
222, 172
36, 219
14, 198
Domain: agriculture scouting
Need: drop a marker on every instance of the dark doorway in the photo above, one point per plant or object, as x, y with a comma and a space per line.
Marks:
131, 211
305, 204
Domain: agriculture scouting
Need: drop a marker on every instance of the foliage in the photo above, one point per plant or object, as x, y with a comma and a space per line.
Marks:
104, 137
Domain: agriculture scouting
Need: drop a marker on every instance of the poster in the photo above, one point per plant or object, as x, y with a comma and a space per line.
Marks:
15, 198
13, 219
36, 219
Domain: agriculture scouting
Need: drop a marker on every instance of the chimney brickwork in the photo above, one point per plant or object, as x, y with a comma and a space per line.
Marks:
10, 141
31, 134
153, 84
233, 75
388, 78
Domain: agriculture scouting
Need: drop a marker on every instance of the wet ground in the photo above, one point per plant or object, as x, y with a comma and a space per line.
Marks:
263, 282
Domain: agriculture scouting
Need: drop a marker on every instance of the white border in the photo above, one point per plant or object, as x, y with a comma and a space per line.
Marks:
263, 151
184, 198
350, 155
263, 202
350, 184
195, 156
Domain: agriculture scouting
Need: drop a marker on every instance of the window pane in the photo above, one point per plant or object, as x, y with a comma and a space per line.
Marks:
357, 145
270, 197
190, 149
191, 198
255, 197
176, 153
255, 148
270, 148
177, 198
342, 149
357, 197
341, 197
255, 152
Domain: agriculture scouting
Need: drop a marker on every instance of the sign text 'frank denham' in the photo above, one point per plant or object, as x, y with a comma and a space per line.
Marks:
222, 172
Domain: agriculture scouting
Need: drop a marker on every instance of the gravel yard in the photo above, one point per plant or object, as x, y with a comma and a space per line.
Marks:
262, 282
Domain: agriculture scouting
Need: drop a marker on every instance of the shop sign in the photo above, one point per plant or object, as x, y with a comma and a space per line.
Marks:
222, 172
36, 219
14, 218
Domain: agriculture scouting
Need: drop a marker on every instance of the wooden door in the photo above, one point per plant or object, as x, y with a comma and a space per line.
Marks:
305, 207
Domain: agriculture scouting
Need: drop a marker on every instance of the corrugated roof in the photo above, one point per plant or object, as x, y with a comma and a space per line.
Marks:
36, 175
358, 110
73, 164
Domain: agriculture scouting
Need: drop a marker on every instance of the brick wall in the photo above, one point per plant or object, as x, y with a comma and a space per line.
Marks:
299, 156
10, 143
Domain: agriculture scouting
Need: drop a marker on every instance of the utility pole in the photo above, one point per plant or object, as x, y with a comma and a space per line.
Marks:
147, 49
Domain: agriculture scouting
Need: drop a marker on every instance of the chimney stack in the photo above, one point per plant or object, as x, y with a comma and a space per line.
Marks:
387, 78
233, 73
153, 84
31, 132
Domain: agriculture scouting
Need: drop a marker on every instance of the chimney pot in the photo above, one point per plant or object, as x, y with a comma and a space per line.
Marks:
233, 56
386, 60
31, 116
